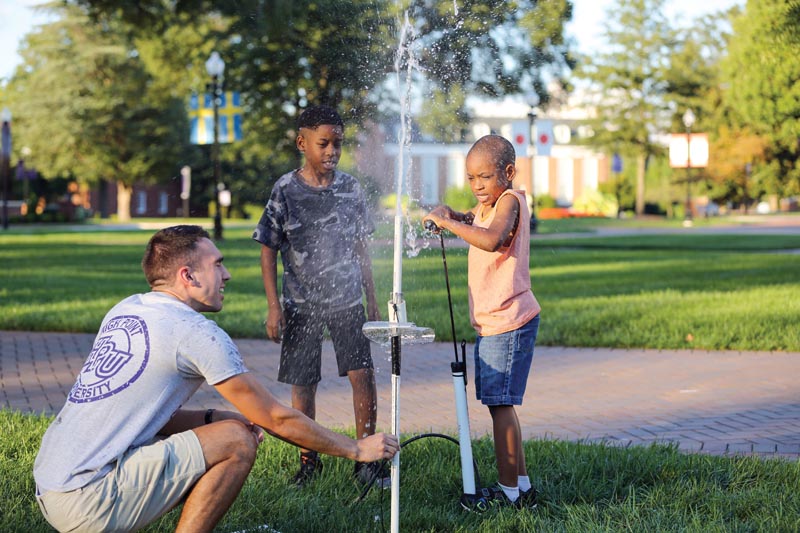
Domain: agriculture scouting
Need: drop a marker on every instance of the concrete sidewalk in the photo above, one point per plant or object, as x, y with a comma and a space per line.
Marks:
722, 403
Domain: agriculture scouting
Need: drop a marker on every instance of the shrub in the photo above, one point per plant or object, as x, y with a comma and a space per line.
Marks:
596, 203
389, 202
544, 201
459, 198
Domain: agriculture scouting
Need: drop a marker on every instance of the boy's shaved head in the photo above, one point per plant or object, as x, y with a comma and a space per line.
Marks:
319, 115
496, 147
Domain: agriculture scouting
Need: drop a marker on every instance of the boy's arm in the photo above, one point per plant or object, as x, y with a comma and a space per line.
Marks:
269, 273
490, 239
365, 262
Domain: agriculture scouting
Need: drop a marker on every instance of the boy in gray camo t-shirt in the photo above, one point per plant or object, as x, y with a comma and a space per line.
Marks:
317, 220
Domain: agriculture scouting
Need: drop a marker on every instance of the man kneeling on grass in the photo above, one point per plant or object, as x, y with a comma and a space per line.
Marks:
122, 452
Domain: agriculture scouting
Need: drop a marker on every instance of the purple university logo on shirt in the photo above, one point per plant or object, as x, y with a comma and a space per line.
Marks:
118, 357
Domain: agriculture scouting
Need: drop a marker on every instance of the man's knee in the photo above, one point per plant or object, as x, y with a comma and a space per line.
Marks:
229, 440
245, 441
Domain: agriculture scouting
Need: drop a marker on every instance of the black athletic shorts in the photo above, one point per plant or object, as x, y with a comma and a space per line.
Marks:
301, 347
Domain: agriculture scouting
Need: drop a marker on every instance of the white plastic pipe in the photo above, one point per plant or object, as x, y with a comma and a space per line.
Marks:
395, 469
464, 440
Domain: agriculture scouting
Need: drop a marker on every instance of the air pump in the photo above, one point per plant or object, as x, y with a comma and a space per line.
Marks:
471, 498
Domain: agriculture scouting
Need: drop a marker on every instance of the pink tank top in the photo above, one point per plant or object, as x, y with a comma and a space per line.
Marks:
500, 296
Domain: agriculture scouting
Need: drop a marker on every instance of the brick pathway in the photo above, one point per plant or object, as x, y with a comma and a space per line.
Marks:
721, 403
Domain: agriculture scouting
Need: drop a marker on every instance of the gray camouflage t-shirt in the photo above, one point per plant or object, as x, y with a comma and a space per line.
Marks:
316, 232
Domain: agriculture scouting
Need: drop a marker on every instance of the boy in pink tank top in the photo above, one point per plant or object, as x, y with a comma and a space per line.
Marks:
502, 306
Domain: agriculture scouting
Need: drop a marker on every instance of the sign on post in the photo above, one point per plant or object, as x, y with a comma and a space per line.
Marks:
520, 135
201, 118
544, 137
688, 151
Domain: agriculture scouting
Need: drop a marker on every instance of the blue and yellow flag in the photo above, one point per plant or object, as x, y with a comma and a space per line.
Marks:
201, 118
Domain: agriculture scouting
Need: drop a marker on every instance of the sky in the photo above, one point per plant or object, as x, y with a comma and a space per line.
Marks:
588, 17
17, 18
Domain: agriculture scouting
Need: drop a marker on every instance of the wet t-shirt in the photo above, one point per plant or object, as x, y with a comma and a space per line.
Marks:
150, 356
316, 231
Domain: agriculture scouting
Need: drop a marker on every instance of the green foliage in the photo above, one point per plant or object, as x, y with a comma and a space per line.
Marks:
444, 116
594, 202
545, 201
102, 91
632, 69
621, 189
759, 53
582, 486
459, 198
521, 52
85, 106
389, 202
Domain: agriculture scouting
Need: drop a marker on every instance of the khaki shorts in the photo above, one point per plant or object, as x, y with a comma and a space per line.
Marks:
144, 484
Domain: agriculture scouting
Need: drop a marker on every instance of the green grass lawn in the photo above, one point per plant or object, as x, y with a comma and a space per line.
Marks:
655, 291
583, 487
670, 291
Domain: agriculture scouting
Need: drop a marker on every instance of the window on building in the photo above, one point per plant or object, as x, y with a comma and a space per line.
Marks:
565, 194
541, 176
590, 173
163, 203
430, 180
141, 202
455, 171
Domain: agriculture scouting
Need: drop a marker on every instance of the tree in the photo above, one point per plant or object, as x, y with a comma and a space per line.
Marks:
84, 106
443, 115
630, 76
696, 81
764, 77
487, 49
281, 55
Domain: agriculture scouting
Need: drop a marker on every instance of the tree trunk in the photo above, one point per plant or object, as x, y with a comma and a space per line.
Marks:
640, 170
124, 193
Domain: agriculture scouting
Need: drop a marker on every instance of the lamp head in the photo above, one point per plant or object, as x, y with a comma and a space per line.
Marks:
5, 115
215, 66
688, 118
532, 98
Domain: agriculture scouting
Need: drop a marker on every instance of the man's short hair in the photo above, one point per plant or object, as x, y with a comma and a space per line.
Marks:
319, 115
170, 249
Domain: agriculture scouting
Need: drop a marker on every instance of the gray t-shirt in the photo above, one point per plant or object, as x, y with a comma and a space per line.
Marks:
151, 354
316, 231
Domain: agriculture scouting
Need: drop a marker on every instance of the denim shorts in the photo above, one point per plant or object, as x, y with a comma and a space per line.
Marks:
502, 364
301, 347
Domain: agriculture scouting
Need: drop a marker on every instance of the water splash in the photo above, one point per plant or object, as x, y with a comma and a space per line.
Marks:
404, 64
409, 333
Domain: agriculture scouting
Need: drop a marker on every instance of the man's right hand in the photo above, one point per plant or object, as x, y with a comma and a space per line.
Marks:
275, 324
376, 447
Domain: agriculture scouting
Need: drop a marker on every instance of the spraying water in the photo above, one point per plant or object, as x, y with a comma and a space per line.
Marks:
404, 57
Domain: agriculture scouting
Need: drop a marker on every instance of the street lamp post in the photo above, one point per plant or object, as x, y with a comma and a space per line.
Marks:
533, 101
688, 121
215, 67
5, 160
